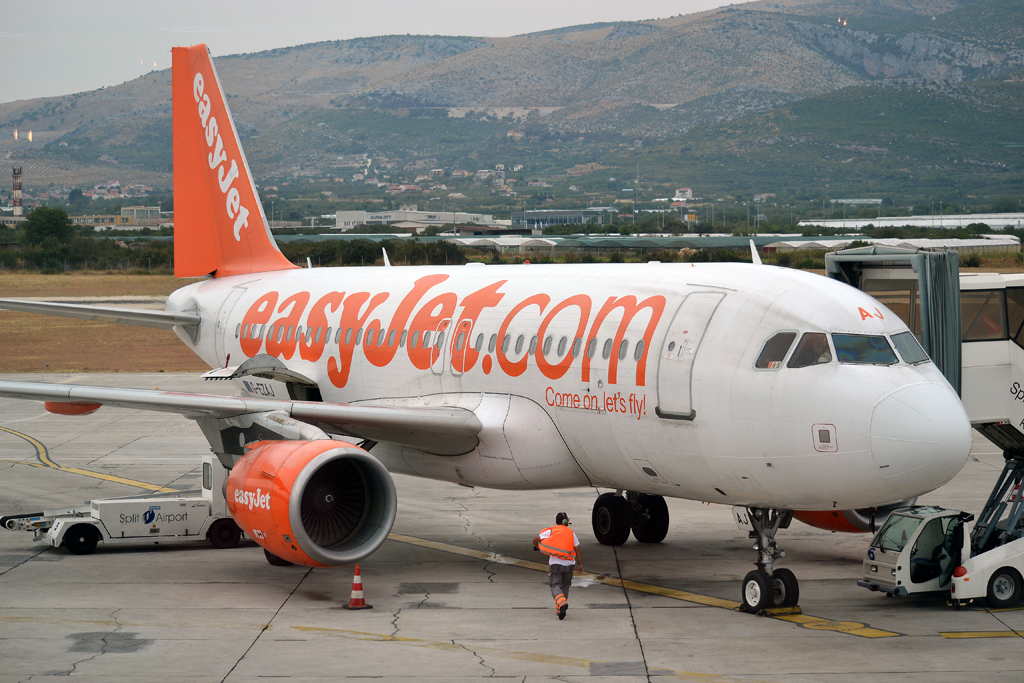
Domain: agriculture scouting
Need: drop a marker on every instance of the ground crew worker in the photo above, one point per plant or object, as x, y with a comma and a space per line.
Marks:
562, 547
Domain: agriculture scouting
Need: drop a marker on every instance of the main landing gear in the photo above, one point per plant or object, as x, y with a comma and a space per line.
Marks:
767, 587
615, 516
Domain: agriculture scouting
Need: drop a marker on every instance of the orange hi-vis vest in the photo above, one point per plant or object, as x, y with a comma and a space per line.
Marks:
559, 544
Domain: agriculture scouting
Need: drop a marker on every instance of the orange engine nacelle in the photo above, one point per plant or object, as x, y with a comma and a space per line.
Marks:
315, 503
860, 521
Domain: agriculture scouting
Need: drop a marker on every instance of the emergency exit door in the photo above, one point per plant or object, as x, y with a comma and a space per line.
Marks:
439, 351
678, 353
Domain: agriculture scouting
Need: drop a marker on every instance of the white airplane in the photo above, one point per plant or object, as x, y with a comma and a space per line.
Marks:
745, 385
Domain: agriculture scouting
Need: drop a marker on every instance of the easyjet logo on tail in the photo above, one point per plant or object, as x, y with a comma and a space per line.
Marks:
218, 157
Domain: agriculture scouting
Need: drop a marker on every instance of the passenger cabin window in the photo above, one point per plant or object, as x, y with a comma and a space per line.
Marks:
863, 348
910, 351
774, 351
982, 315
812, 350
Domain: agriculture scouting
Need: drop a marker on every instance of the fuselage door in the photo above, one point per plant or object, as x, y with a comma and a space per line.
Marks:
678, 352
460, 344
439, 350
223, 321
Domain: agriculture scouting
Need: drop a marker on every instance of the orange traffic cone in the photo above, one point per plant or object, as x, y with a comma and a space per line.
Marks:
357, 601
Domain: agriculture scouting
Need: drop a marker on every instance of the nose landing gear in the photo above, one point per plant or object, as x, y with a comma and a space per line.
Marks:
614, 516
767, 587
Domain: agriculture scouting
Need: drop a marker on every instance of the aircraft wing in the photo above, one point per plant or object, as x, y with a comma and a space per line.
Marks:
110, 314
444, 431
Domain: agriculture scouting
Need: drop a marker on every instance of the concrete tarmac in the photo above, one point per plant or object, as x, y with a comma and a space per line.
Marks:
457, 594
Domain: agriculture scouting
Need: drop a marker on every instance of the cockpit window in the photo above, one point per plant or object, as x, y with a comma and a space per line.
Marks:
774, 351
812, 350
910, 351
863, 348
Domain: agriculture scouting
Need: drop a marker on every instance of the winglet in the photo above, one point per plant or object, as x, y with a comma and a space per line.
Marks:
753, 254
387, 262
219, 226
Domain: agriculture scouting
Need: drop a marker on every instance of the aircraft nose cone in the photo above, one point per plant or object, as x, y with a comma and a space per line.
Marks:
920, 437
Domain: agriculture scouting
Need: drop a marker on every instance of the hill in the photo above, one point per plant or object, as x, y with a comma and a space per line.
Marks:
315, 110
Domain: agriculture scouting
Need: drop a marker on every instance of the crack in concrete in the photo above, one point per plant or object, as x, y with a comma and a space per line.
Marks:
482, 662
266, 626
490, 574
632, 617
1010, 628
27, 559
103, 648
394, 622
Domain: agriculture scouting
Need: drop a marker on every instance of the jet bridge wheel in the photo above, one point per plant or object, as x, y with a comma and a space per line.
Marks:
81, 539
611, 519
649, 518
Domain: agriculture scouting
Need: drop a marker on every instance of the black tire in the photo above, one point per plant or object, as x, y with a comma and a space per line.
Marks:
757, 592
1004, 588
81, 539
275, 560
787, 589
649, 519
224, 534
610, 519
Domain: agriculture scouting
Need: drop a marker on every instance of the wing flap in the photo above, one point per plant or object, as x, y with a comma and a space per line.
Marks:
110, 314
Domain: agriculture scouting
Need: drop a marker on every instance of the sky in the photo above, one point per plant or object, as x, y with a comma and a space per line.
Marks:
59, 47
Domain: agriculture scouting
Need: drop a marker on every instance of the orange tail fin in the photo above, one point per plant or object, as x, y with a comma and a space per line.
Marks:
219, 226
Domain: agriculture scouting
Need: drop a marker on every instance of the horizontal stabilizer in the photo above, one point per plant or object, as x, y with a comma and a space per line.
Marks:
109, 314
442, 431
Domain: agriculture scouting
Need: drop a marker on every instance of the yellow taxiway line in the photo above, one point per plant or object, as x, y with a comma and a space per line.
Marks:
956, 635
855, 628
43, 455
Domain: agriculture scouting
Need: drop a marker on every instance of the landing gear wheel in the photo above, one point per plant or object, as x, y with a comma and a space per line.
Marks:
757, 592
224, 534
787, 590
275, 560
610, 519
81, 539
649, 518
1004, 588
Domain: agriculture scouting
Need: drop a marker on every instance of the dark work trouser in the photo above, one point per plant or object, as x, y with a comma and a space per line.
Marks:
560, 578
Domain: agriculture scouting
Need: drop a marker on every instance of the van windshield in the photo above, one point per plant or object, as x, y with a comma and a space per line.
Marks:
897, 531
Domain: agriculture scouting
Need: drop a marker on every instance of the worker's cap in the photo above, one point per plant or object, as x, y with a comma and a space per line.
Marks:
562, 518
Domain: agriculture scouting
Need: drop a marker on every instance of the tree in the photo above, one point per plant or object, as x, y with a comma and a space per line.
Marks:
46, 223
1006, 205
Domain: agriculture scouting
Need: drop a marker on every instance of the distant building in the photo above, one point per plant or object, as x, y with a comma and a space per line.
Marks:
347, 220
436, 173
684, 193
858, 202
461, 174
762, 198
140, 212
517, 168
544, 217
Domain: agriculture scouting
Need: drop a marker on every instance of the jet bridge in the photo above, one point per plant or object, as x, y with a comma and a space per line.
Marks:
972, 326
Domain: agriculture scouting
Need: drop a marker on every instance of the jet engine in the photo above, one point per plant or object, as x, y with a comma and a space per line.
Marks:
316, 503
859, 521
